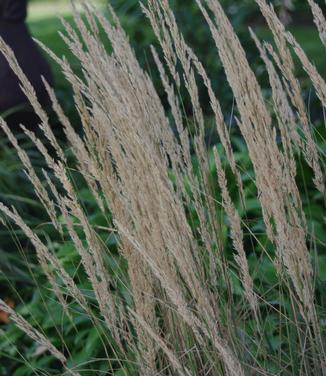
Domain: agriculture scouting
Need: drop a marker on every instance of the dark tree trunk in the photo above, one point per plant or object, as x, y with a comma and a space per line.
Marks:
13, 10
15, 33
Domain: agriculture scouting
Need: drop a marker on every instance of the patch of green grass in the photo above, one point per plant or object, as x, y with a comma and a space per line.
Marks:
44, 9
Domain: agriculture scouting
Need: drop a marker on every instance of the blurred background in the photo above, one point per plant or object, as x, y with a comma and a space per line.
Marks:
44, 24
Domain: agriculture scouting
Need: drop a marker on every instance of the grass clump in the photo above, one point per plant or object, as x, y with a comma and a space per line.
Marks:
171, 276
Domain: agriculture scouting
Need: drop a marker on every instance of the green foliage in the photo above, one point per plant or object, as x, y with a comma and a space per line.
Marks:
85, 336
15, 189
91, 347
